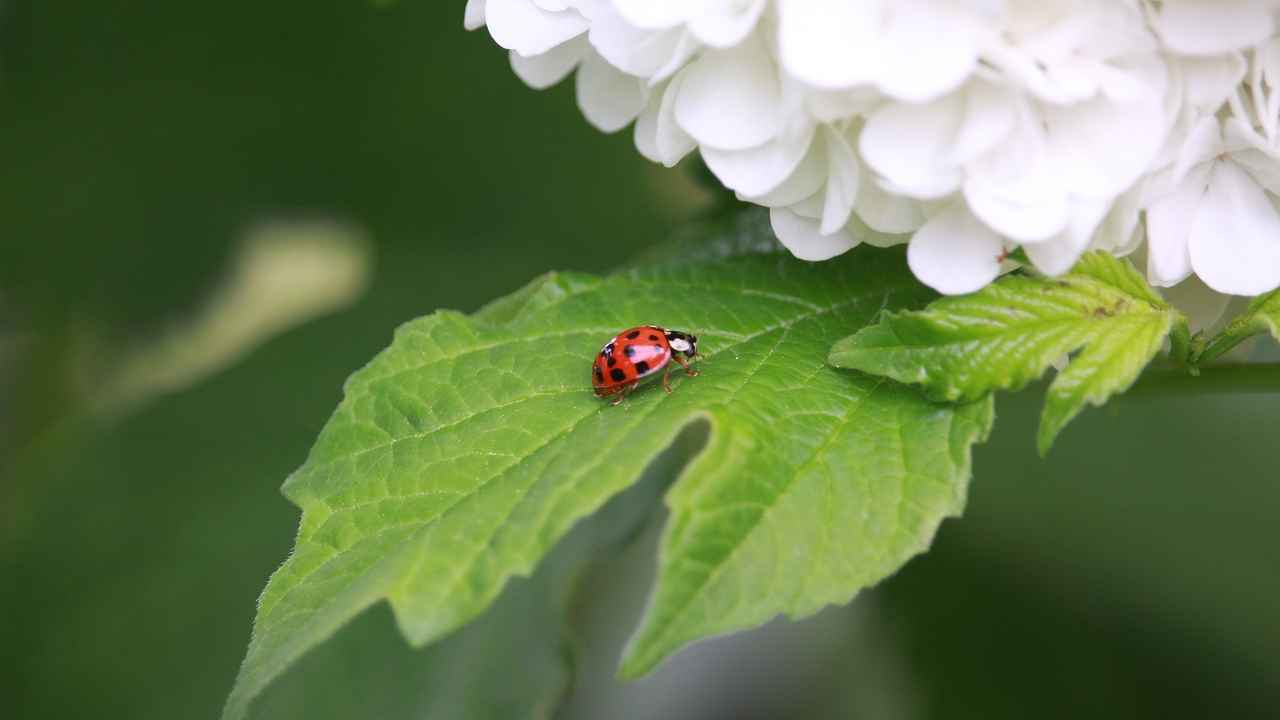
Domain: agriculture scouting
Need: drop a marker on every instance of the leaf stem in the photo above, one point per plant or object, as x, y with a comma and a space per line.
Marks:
1230, 379
1181, 342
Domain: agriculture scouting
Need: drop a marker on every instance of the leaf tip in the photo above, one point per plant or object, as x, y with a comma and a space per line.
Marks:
237, 705
1044, 440
1052, 420
650, 645
635, 663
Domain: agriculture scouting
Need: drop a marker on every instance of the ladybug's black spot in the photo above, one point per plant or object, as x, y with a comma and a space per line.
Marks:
617, 375
642, 367
630, 351
633, 334
653, 338
612, 361
599, 375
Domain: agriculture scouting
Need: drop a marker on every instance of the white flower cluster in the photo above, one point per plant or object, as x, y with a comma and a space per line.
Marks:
971, 127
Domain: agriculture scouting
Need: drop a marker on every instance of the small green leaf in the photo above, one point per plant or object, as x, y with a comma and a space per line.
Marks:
1262, 316
1009, 333
464, 451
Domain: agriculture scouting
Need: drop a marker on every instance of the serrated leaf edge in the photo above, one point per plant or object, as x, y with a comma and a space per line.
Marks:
1093, 268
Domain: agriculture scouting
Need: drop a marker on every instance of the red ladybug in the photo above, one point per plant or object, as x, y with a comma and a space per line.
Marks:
637, 353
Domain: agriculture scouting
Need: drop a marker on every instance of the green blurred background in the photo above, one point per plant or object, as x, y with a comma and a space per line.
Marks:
1133, 574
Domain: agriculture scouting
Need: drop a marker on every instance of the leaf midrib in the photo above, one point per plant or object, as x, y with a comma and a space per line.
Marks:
1013, 331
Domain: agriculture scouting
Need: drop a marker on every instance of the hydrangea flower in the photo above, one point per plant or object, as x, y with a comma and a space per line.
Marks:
966, 128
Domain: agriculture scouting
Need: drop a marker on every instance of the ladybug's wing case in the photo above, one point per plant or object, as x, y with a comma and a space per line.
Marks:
611, 371
644, 349
599, 376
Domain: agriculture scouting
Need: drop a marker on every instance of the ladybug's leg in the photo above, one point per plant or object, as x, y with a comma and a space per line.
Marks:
624, 392
687, 370
666, 379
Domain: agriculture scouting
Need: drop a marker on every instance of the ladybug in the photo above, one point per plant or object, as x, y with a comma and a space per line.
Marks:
637, 353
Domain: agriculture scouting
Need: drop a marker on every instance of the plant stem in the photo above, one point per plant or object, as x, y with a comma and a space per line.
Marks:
1234, 379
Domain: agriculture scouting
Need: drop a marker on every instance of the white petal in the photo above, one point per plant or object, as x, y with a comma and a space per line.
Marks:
1202, 143
1267, 57
1169, 221
801, 236
1067, 54
1235, 240
542, 71
843, 179
726, 22
909, 145
658, 135
1238, 135
1099, 147
1210, 80
731, 99
673, 142
1060, 253
1213, 27
1252, 152
1025, 70
1017, 190
761, 169
810, 207
628, 48
887, 213
608, 97
831, 106
1263, 167
989, 116
928, 50
1111, 30
954, 253
875, 238
803, 183
522, 26
1119, 233
686, 47
473, 16
829, 43
1202, 305
653, 14
646, 129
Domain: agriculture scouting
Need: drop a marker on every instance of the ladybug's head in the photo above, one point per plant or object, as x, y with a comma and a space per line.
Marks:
683, 342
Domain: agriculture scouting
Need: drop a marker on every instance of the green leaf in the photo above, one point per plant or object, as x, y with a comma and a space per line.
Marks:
517, 660
1262, 316
512, 662
465, 450
1009, 333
